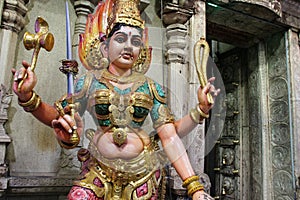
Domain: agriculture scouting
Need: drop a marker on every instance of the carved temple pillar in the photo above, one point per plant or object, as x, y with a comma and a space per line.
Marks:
12, 14
183, 29
82, 8
5, 99
197, 26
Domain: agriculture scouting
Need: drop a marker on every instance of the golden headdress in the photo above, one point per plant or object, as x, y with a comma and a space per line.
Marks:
99, 25
126, 12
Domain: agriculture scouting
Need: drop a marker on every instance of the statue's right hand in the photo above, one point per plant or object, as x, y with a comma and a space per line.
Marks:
29, 79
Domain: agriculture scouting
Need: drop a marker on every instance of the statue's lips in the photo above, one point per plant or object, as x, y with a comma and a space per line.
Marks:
127, 56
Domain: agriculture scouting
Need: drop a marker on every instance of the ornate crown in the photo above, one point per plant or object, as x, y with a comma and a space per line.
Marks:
127, 12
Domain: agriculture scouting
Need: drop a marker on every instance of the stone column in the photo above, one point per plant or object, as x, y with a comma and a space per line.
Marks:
294, 41
175, 19
181, 80
197, 29
5, 99
12, 22
12, 13
82, 9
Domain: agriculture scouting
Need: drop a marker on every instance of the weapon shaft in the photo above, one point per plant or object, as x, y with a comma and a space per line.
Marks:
70, 78
201, 53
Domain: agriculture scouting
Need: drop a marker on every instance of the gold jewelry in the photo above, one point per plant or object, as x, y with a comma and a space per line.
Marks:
202, 113
132, 78
192, 185
119, 135
67, 145
59, 108
198, 115
189, 180
32, 104
125, 12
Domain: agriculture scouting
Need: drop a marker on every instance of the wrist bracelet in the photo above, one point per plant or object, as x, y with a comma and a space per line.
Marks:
190, 179
192, 185
204, 115
198, 115
32, 104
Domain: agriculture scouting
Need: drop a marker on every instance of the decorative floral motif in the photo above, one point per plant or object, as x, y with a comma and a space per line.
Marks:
142, 190
79, 193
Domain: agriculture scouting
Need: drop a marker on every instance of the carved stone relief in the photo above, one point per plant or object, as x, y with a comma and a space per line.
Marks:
279, 115
13, 15
5, 99
278, 86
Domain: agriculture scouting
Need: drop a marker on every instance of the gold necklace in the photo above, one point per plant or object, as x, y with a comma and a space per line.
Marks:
132, 78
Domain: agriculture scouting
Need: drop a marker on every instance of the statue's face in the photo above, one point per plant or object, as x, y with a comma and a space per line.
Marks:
124, 47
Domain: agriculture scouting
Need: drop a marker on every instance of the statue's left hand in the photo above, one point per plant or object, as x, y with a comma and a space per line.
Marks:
64, 125
201, 195
205, 106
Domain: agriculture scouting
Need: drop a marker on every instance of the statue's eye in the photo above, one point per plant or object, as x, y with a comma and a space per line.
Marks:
120, 39
136, 42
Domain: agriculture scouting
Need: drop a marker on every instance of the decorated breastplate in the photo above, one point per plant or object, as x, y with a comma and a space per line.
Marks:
113, 109
120, 110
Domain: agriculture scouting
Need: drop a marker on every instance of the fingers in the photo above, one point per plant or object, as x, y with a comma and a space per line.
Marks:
212, 79
206, 88
21, 73
214, 91
210, 88
25, 64
66, 122
24, 79
78, 120
13, 71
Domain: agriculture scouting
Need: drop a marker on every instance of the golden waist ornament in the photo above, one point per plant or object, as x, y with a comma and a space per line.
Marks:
119, 135
120, 178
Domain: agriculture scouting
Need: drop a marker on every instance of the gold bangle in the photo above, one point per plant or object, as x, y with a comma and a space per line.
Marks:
189, 180
29, 102
32, 104
194, 187
202, 114
196, 117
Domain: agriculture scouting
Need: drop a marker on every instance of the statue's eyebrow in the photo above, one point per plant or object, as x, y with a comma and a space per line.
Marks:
123, 33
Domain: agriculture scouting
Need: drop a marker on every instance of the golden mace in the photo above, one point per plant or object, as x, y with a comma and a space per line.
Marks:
41, 39
201, 53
